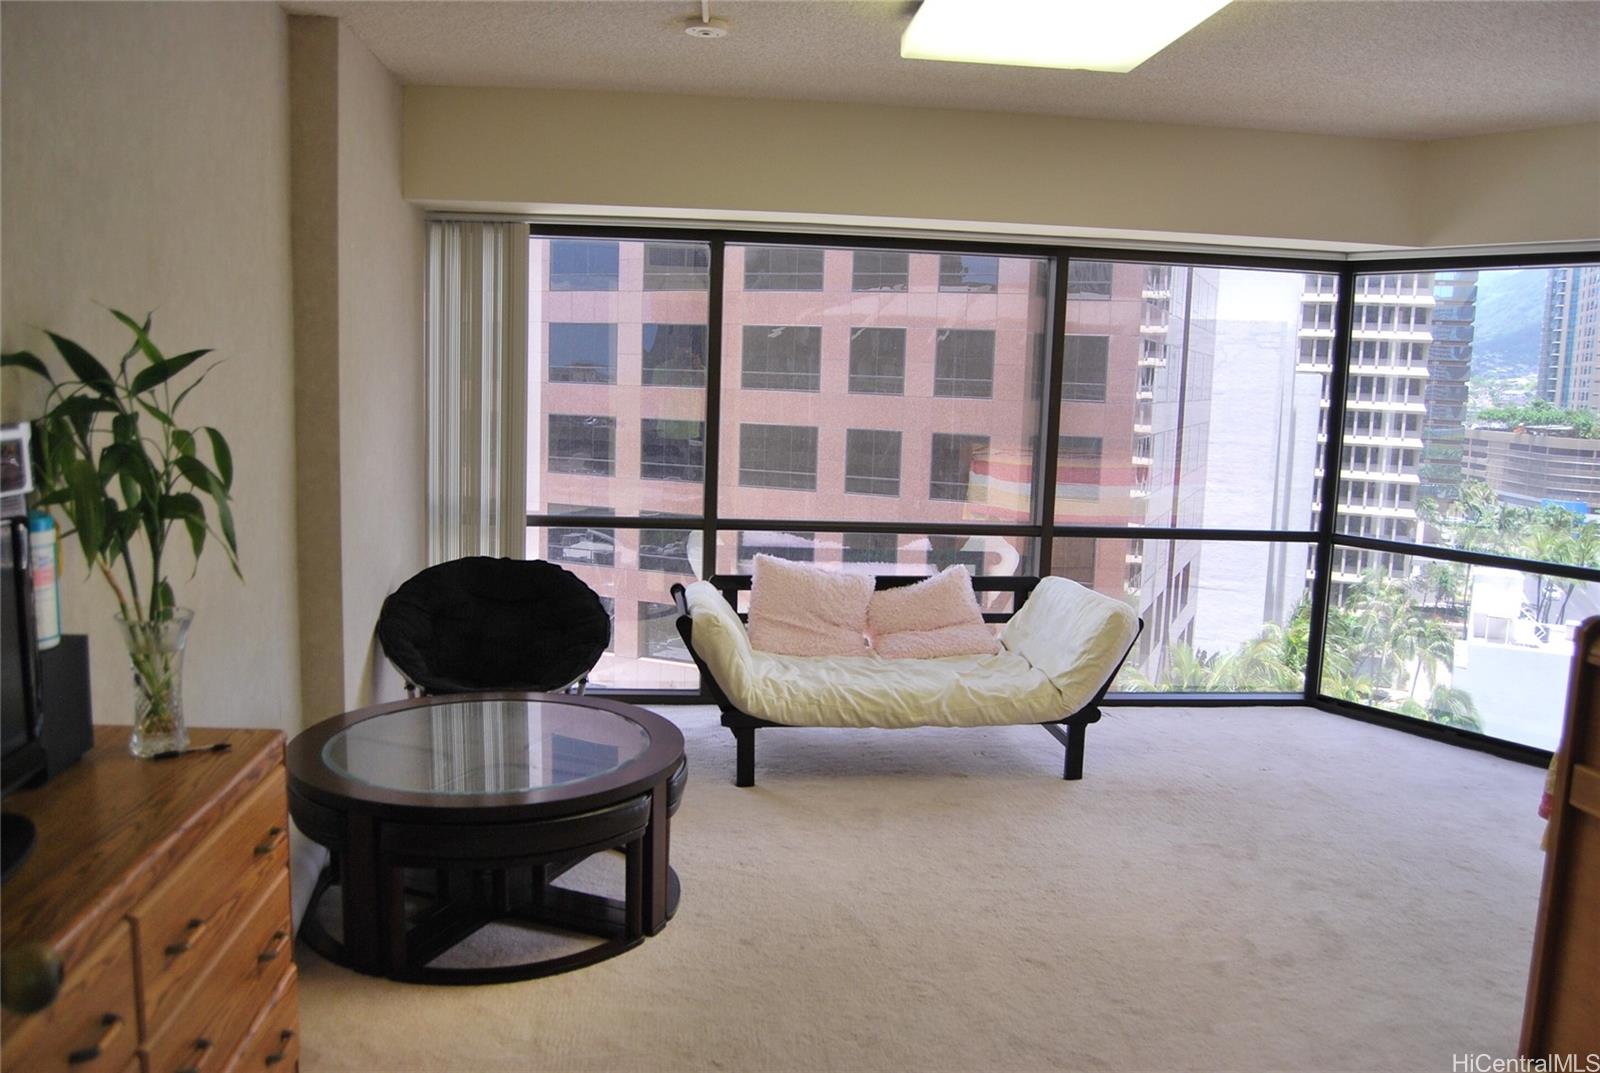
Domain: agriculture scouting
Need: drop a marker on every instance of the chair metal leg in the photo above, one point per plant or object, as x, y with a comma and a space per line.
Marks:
745, 761
1073, 768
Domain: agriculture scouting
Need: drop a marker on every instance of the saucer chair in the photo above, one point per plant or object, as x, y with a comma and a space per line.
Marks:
480, 623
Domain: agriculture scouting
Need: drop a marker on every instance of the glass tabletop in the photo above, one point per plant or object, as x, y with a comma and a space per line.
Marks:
485, 747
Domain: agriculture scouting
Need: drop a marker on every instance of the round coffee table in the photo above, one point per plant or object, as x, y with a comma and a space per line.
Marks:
445, 814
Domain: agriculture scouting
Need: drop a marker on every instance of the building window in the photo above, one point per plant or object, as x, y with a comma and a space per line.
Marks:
584, 546
879, 270
880, 548
1078, 468
672, 450
782, 358
945, 551
872, 462
666, 550
673, 355
796, 547
676, 266
960, 272
658, 633
1088, 279
782, 268
583, 265
878, 361
778, 456
1083, 372
583, 353
951, 465
964, 364
582, 443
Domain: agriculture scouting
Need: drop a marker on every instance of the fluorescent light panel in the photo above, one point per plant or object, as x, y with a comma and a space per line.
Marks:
1111, 35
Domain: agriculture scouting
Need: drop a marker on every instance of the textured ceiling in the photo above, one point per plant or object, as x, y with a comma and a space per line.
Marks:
1413, 69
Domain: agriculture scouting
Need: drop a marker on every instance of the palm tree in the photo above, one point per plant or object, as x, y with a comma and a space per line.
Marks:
1454, 707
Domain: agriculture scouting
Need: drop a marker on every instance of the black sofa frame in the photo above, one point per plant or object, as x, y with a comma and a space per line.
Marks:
1069, 731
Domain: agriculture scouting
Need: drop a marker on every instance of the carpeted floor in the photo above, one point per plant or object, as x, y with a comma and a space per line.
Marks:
1227, 889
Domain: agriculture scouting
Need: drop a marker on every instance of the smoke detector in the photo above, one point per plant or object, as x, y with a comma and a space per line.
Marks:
705, 27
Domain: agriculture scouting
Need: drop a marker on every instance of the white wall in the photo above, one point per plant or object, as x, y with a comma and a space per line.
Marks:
722, 158
144, 164
383, 441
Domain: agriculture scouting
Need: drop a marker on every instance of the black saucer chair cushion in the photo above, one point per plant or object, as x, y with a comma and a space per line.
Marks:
481, 623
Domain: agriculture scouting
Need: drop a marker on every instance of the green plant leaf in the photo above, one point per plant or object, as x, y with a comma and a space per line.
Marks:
87, 499
197, 538
197, 474
155, 412
184, 394
183, 439
85, 366
141, 335
222, 456
23, 359
160, 373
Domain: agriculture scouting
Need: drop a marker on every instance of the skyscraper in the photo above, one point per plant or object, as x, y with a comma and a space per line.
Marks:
1569, 350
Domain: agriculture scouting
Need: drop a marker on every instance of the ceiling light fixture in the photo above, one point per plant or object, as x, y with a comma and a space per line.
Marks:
705, 27
1084, 35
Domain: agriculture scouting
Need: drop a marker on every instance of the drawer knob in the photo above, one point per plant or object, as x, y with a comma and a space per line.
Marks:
274, 946
283, 1048
275, 836
197, 928
110, 1025
30, 977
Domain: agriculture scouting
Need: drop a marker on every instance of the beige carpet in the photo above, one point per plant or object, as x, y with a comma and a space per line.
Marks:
1229, 889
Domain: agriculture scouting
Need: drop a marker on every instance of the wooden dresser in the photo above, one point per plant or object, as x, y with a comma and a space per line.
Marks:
163, 889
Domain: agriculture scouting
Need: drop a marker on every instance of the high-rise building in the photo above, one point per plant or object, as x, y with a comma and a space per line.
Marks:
858, 386
1393, 442
1569, 350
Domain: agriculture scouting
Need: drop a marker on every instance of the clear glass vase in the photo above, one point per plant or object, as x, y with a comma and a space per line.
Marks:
156, 651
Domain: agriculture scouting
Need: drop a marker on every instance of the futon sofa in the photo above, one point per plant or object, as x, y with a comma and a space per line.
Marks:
1059, 652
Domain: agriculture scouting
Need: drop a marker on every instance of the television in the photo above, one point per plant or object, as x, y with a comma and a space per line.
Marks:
23, 761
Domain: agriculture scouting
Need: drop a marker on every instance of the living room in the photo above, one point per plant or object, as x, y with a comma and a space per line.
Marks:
1299, 841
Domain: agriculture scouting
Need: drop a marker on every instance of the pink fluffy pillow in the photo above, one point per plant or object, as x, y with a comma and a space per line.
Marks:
801, 610
933, 618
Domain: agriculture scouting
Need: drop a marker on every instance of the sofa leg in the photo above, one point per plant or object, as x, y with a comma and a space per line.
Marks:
1074, 761
744, 739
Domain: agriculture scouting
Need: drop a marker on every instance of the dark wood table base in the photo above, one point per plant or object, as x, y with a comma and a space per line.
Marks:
458, 904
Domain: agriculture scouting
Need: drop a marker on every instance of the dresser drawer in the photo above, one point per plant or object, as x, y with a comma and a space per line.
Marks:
180, 925
203, 1034
91, 1026
273, 1046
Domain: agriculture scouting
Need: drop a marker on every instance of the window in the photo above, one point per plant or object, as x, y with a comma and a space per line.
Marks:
672, 450
947, 551
1083, 373
581, 443
782, 358
872, 462
583, 353
879, 548
1088, 279
778, 456
782, 268
583, 265
673, 355
964, 364
1074, 559
666, 550
879, 270
1078, 467
878, 361
586, 547
951, 467
962, 272
796, 547
658, 633
677, 266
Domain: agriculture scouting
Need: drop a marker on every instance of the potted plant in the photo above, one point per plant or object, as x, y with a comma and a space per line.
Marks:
111, 458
